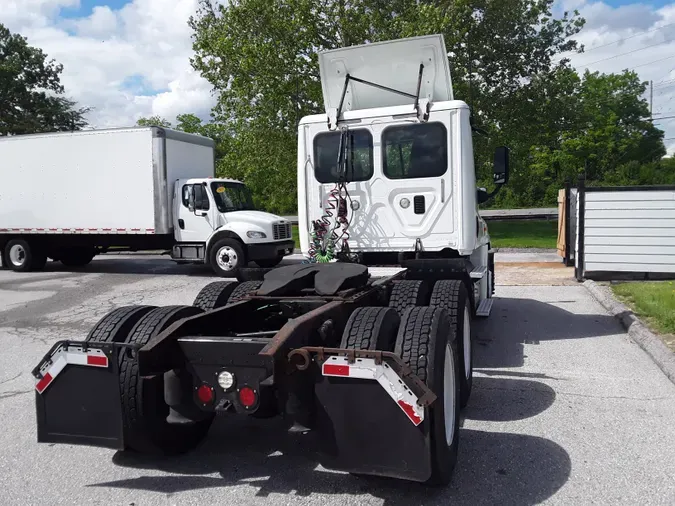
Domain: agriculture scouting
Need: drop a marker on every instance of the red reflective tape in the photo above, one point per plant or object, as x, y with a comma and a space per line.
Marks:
408, 409
106, 229
100, 360
79, 230
43, 383
336, 370
53, 229
93, 229
136, 229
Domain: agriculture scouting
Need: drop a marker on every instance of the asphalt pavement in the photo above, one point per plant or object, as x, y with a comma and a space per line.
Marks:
566, 409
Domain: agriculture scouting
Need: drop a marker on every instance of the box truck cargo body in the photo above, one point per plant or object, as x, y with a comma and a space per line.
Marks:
68, 196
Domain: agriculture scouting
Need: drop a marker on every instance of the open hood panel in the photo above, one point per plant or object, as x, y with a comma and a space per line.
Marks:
394, 64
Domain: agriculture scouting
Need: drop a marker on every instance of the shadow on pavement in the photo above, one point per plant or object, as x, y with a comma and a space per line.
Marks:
493, 468
504, 400
499, 339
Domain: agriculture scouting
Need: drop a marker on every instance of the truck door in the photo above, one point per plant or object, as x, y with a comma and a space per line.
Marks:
193, 225
416, 188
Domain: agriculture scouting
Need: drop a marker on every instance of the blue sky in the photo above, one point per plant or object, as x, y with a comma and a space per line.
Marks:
87, 6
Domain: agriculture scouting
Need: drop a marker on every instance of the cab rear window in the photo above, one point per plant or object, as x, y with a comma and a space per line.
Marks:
359, 162
415, 151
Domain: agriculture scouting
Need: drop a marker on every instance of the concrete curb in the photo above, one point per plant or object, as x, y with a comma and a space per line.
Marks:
637, 330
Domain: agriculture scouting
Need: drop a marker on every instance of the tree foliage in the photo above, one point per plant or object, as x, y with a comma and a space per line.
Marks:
507, 60
31, 93
192, 124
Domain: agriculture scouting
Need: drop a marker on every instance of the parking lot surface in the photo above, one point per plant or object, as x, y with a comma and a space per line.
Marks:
566, 409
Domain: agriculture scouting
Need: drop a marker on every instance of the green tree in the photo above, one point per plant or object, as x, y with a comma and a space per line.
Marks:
153, 121
31, 93
261, 57
192, 124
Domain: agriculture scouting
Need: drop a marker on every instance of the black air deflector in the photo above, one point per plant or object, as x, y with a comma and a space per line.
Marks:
419, 204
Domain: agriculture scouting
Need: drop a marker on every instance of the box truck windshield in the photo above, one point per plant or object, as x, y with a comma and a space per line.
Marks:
232, 197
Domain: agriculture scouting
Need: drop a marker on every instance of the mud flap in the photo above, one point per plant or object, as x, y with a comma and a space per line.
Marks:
364, 431
77, 395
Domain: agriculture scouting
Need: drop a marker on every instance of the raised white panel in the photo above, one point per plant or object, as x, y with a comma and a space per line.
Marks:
628, 267
617, 214
630, 239
630, 204
660, 259
630, 196
629, 223
634, 249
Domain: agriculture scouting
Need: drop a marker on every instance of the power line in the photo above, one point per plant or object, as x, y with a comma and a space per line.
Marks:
628, 52
627, 38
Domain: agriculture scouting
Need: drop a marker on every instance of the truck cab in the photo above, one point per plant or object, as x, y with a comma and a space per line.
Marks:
216, 223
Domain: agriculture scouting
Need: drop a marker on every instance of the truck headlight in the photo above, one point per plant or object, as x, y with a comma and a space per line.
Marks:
252, 234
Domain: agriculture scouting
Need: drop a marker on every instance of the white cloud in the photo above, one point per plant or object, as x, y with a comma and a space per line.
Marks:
125, 63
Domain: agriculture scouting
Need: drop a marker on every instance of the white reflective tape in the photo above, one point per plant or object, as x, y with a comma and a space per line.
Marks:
366, 368
72, 355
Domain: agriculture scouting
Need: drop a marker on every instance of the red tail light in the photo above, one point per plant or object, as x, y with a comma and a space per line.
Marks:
205, 394
247, 397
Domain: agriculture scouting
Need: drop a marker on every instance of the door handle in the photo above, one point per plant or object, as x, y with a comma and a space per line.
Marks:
181, 223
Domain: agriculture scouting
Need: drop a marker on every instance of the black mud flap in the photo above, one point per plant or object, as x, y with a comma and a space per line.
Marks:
364, 431
79, 403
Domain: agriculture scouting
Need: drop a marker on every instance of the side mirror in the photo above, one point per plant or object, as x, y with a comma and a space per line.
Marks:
501, 165
191, 199
482, 195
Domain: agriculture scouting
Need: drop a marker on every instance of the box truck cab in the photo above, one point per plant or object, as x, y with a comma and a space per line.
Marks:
69, 196
216, 221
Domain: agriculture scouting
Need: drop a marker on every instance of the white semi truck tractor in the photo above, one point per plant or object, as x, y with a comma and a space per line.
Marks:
377, 367
69, 196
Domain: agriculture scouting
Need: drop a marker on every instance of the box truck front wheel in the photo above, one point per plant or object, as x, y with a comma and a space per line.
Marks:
23, 257
227, 257
426, 343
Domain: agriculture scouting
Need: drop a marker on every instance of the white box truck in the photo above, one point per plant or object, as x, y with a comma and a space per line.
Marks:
69, 196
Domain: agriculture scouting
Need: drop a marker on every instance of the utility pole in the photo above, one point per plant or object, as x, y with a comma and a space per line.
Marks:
651, 100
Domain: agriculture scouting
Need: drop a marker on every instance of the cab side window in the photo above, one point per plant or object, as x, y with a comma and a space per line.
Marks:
200, 194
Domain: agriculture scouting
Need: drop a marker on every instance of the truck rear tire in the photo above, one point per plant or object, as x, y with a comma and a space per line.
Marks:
268, 263
241, 291
116, 325
215, 295
426, 344
409, 293
371, 328
22, 257
226, 257
144, 410
76, 257
452, 296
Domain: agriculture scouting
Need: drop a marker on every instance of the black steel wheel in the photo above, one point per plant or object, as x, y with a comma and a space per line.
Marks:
429, 348
144, 410
452, 296
407, 293
215, 295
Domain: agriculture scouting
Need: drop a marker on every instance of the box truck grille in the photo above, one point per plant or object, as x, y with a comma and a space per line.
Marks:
281, 231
